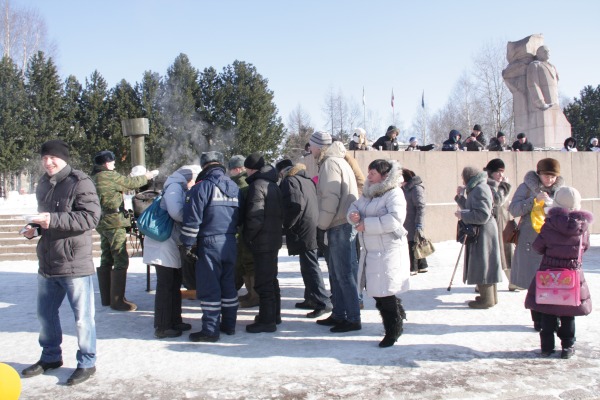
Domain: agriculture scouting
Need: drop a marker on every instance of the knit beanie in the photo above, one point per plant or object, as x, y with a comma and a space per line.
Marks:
494, 165
285, 163
500, 134
412, 139
477, 128
567, 197
56, 148
254, 161
236, 161
211, 156
548, 166
468, 173
320, 139
103, 157
521, 135
190, 172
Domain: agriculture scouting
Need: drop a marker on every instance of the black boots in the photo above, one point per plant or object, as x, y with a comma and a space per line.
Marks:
103, 274
118, 302
393, 315
266, 319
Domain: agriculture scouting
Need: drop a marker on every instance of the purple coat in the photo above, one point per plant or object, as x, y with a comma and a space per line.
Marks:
558, 242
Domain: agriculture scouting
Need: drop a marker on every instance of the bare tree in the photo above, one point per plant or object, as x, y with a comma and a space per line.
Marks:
299, 130
24, 33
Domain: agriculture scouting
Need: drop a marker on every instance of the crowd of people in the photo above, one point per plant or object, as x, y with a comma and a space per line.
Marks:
229, 220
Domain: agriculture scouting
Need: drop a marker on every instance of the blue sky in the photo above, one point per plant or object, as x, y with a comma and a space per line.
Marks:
306, 48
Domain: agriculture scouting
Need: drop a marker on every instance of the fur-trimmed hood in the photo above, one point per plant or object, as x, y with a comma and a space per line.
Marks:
476, 180
533, 182
335, 149
392, 180
294, 170
569, 223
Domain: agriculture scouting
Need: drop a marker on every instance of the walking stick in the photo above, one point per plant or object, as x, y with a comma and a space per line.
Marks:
457, 260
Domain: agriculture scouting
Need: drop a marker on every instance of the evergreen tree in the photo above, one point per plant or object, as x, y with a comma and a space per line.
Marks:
584, 116
14, 131
123, 103
149, 91
242, 115
93, 119
71, 115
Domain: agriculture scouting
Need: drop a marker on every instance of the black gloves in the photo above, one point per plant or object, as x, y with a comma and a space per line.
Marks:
189, 255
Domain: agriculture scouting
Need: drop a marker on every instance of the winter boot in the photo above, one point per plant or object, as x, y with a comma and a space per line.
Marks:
252, 299
486, 297
266, 318
103, 274
389, 307
118, 302
495, 290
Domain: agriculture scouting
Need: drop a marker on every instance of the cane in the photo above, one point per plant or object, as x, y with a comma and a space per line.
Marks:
457, 260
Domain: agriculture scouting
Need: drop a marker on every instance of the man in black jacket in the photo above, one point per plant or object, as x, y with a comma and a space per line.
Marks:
69, 210
263, 221
388, 141
522, 144
300, 215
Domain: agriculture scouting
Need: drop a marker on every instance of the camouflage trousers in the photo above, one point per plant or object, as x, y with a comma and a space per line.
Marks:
113, 243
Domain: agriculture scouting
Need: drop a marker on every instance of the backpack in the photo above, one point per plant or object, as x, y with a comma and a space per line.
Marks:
155, 222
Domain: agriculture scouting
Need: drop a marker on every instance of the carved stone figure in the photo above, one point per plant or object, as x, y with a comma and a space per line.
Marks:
533, 82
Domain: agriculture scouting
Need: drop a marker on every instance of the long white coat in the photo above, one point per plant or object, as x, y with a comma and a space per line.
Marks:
166, 253
384, 266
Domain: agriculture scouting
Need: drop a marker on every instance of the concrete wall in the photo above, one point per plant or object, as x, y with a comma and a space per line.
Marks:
440, 172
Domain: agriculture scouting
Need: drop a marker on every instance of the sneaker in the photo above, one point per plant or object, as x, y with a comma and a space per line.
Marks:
547, 353
346, 326
182, 326
203, 336
166, 333
567, 352
329, 321
80, 375
40, 367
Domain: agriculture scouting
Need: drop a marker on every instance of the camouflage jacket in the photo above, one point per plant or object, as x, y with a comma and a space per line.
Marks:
110, 186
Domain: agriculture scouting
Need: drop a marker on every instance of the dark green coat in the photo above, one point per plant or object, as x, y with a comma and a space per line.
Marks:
110, 186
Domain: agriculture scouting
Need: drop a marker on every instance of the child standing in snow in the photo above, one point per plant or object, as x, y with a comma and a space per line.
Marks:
562, 239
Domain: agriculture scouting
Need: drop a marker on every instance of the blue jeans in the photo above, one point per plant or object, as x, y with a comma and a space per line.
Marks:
215, 282
343, 269
80, 293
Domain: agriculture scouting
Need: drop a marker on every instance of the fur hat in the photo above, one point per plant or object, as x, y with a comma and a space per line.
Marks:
567, 197
103, 157
285, 163
494, 165
548, 166
468, 173
521, 135
500, 134
190, 172
254, 161
211, 157
56, 148
236, 161
320, 139
477, 128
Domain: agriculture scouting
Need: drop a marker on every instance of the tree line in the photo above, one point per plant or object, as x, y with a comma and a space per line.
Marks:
189, 111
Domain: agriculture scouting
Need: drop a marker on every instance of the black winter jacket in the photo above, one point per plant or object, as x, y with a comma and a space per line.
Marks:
263, 211
65, 248
300, 210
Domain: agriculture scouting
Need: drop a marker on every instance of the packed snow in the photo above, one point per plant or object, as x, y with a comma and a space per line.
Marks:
447, 351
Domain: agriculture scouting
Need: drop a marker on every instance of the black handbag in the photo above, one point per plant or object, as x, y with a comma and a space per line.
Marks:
466, 233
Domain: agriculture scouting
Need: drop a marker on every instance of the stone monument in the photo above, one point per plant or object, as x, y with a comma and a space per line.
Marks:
533, 82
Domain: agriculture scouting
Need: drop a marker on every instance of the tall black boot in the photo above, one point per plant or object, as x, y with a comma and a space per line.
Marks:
103, 274
392, 314
118, 302
265, 321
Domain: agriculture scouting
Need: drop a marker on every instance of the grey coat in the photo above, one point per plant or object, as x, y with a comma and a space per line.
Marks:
525, 261
500, 191
482, 258
414, 191
65, 248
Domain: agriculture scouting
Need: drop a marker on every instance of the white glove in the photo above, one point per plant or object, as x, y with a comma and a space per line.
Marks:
154, 173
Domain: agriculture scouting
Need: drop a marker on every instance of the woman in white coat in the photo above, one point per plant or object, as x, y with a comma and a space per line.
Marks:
378, 216
166, 258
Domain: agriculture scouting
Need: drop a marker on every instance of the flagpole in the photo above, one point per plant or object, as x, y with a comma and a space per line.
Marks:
364, 110
424, 117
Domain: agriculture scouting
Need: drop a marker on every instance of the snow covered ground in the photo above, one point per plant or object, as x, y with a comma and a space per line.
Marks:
447, 351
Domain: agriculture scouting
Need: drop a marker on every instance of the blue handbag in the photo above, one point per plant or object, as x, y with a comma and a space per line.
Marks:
155, 222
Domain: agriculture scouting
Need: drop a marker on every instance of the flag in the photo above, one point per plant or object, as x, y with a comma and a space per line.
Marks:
364, 96
392, 98
423, 99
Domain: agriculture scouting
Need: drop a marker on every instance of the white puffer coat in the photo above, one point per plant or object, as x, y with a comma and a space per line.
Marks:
384, 266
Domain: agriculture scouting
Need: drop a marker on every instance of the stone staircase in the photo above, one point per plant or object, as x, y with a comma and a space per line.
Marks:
14, 247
